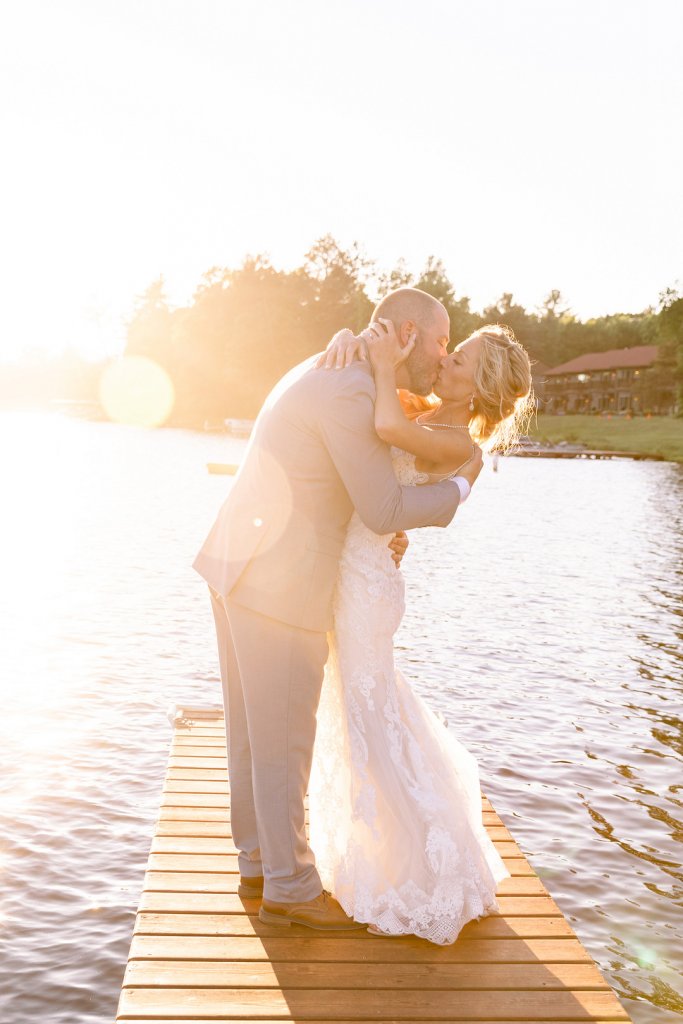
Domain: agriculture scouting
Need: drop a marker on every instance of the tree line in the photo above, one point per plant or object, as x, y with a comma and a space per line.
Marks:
245, 327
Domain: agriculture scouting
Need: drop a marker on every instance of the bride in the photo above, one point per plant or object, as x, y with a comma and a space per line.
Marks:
395, 800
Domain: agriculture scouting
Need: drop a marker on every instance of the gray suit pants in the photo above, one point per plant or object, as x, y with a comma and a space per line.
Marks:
272, 676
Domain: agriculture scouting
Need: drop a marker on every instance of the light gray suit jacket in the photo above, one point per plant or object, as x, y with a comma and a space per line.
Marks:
312, 458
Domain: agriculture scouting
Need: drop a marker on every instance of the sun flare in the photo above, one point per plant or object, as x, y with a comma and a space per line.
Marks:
137, 391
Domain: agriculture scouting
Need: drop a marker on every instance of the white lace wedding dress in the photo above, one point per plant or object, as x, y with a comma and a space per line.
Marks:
394, 798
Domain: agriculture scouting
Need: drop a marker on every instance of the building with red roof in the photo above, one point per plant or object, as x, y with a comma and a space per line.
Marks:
611, 381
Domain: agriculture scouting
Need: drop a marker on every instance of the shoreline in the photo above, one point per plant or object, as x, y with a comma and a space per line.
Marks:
658, 435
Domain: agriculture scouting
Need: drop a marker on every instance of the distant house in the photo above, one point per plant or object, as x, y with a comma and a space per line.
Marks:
605, 382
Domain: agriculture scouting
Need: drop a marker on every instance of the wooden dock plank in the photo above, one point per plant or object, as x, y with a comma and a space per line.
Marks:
199, 730
510, 906
191, 843
198, 774
332, 1004
214, 881
384, 1020
227, 861
490, 927
196, 786
197, 762
192, 828
519, 885
426, 976
154, 940
200, 953
194, 738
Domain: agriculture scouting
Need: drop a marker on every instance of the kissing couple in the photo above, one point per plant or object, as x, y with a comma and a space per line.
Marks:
303, 568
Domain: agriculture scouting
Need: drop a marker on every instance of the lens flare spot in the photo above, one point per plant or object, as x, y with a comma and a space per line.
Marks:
646, 958
137, 391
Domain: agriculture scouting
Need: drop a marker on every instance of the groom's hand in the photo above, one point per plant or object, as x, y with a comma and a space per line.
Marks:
398, 547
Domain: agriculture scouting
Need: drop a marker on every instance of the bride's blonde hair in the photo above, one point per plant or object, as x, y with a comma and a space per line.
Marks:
504, 400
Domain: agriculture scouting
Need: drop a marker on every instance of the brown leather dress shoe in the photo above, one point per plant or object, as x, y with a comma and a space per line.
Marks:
323, 913
250, 888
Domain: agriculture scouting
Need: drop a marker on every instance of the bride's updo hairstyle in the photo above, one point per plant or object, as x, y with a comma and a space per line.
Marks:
503, 402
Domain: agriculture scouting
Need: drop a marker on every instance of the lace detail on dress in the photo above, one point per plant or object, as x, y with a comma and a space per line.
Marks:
395, 801
404, 468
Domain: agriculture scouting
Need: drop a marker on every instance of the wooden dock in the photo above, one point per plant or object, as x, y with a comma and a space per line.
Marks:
227, 469
200, 953
581, 453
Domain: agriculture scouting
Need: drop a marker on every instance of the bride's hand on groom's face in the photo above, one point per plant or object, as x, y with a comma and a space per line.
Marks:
385, 350
343, 350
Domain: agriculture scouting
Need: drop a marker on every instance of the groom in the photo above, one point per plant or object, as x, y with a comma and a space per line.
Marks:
271, 562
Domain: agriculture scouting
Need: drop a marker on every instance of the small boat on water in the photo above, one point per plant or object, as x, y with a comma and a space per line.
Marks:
82, 408
222, 468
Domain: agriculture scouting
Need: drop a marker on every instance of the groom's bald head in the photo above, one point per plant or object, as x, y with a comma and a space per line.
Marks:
414, 312
411, 304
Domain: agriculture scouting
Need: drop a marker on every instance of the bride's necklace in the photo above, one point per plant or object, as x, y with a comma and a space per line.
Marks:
450, 426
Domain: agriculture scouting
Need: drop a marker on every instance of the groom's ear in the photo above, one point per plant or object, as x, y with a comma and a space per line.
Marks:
407, 332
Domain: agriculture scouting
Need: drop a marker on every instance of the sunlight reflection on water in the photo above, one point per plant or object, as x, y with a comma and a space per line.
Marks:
545, 625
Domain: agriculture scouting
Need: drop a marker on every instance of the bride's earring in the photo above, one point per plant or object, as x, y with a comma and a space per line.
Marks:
472, 404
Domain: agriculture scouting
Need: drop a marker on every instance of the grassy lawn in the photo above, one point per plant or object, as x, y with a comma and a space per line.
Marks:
660, 435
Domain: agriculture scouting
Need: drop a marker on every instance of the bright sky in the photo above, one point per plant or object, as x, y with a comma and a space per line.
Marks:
529, 144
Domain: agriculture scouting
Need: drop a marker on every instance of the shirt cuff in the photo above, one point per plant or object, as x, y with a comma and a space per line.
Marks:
463, 487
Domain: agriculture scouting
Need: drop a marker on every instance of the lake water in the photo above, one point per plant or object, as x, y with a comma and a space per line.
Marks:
545, 623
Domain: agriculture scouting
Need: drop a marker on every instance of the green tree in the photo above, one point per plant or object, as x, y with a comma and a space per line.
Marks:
245, 327
507, 311
150, 326
338, 297
550, 330
670, 334
436, 282
243, 330
399, 277
554, 307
